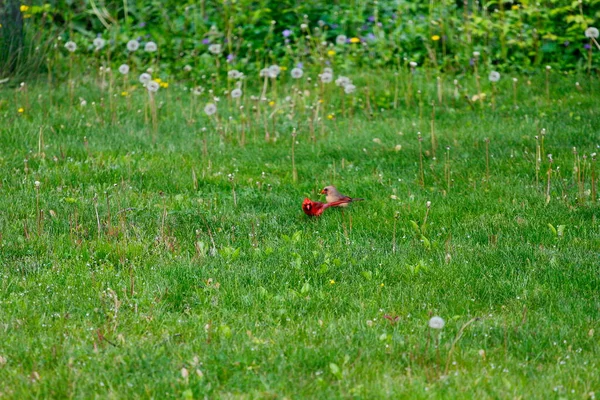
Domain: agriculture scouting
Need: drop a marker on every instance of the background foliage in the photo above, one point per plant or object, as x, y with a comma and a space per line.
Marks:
441, 34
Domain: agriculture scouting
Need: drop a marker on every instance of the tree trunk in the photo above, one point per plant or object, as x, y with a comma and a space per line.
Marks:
11, 34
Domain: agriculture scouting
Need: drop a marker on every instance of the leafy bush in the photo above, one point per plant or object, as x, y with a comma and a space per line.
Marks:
442, 35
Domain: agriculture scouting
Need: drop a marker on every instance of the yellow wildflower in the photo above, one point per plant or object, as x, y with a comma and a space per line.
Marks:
515, 7
331, 282
271, 103
164, 84
330, 116
124, 94
283, 68
321, 101
24, 8
21, 110
382, 285
435, 38
355, 40
157, 80
331, 53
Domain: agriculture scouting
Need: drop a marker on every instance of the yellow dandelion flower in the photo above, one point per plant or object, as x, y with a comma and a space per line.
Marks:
331, 53
355, 40
382, 285
21, 110
24, 8
124, 94
435, 38
271, 103
330, 116
26, 15
321, 101
331, 282
515, 7
283, 68
164, 84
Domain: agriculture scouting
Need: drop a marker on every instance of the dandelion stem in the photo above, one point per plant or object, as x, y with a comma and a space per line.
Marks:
421, 171
294, 172
456, 339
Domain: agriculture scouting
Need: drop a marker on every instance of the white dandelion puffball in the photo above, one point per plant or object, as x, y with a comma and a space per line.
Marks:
341, 40
150, 47
197, 91
494, 76
274, 71
436, 323
328, 70
124, 69
548, 68
264, 72
297, 73
412, 64
133, 45
99, 43
343, 81
187, 68
215, 48
145, 78
36, 183
71, 46
326, 77
349, 88
152, 86
236, 93
592, 32
233, 74
476, 54
210, 109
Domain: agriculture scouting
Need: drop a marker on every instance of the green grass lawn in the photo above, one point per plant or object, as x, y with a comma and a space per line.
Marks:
133, 271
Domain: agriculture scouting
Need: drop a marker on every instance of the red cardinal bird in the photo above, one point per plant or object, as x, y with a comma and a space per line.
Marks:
316, 208
332, 196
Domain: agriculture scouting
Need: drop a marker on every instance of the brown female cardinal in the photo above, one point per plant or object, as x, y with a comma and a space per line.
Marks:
316, 208
332, 195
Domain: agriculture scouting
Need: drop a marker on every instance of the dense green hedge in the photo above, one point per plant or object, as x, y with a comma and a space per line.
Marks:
254, 33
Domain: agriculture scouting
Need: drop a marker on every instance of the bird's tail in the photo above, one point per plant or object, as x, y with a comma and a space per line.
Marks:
357, 199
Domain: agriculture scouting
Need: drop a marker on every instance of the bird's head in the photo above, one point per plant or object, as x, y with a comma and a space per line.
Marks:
327, 189
307, 204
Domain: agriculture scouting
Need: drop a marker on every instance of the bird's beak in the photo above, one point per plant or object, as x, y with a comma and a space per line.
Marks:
323, 191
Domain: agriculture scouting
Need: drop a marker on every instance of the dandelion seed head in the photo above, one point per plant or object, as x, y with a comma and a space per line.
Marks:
494, 76
297, 73
99, 43
592, 32
349, 88
233, 74
412, 64
274, 71
236, 93
326, 77
71, 46
436, 323
124, 69
210, 109
341, 40
152, 86
133, 45
215, 48
145, 78
343, 81
150, 47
